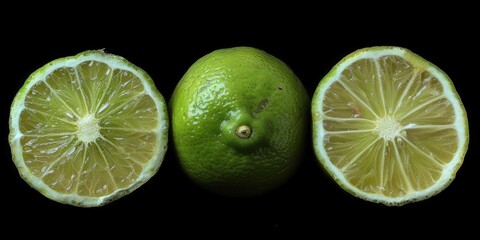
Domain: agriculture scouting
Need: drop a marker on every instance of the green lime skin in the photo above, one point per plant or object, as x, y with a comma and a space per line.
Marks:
239, 122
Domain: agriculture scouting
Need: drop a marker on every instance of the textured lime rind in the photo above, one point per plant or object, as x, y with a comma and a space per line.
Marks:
229, 88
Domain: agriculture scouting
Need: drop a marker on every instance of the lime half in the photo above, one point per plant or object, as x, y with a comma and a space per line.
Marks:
88, 129
389, 126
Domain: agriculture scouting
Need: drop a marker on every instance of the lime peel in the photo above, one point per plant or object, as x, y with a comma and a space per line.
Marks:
247, 133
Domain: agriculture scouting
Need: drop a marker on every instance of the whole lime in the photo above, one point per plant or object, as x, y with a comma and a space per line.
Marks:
239, 121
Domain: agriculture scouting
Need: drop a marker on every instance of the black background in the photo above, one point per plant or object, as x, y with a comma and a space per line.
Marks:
165, 43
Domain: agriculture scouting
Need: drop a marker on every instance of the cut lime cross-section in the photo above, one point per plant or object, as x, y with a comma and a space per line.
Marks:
389, 126
88, 129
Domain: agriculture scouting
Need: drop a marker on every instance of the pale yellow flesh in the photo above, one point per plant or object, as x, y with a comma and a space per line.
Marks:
389, 128
87, 130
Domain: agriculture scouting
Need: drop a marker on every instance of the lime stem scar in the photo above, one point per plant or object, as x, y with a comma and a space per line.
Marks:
243, 131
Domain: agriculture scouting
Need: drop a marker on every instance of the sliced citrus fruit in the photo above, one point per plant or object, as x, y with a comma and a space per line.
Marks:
88, 129
389, 126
